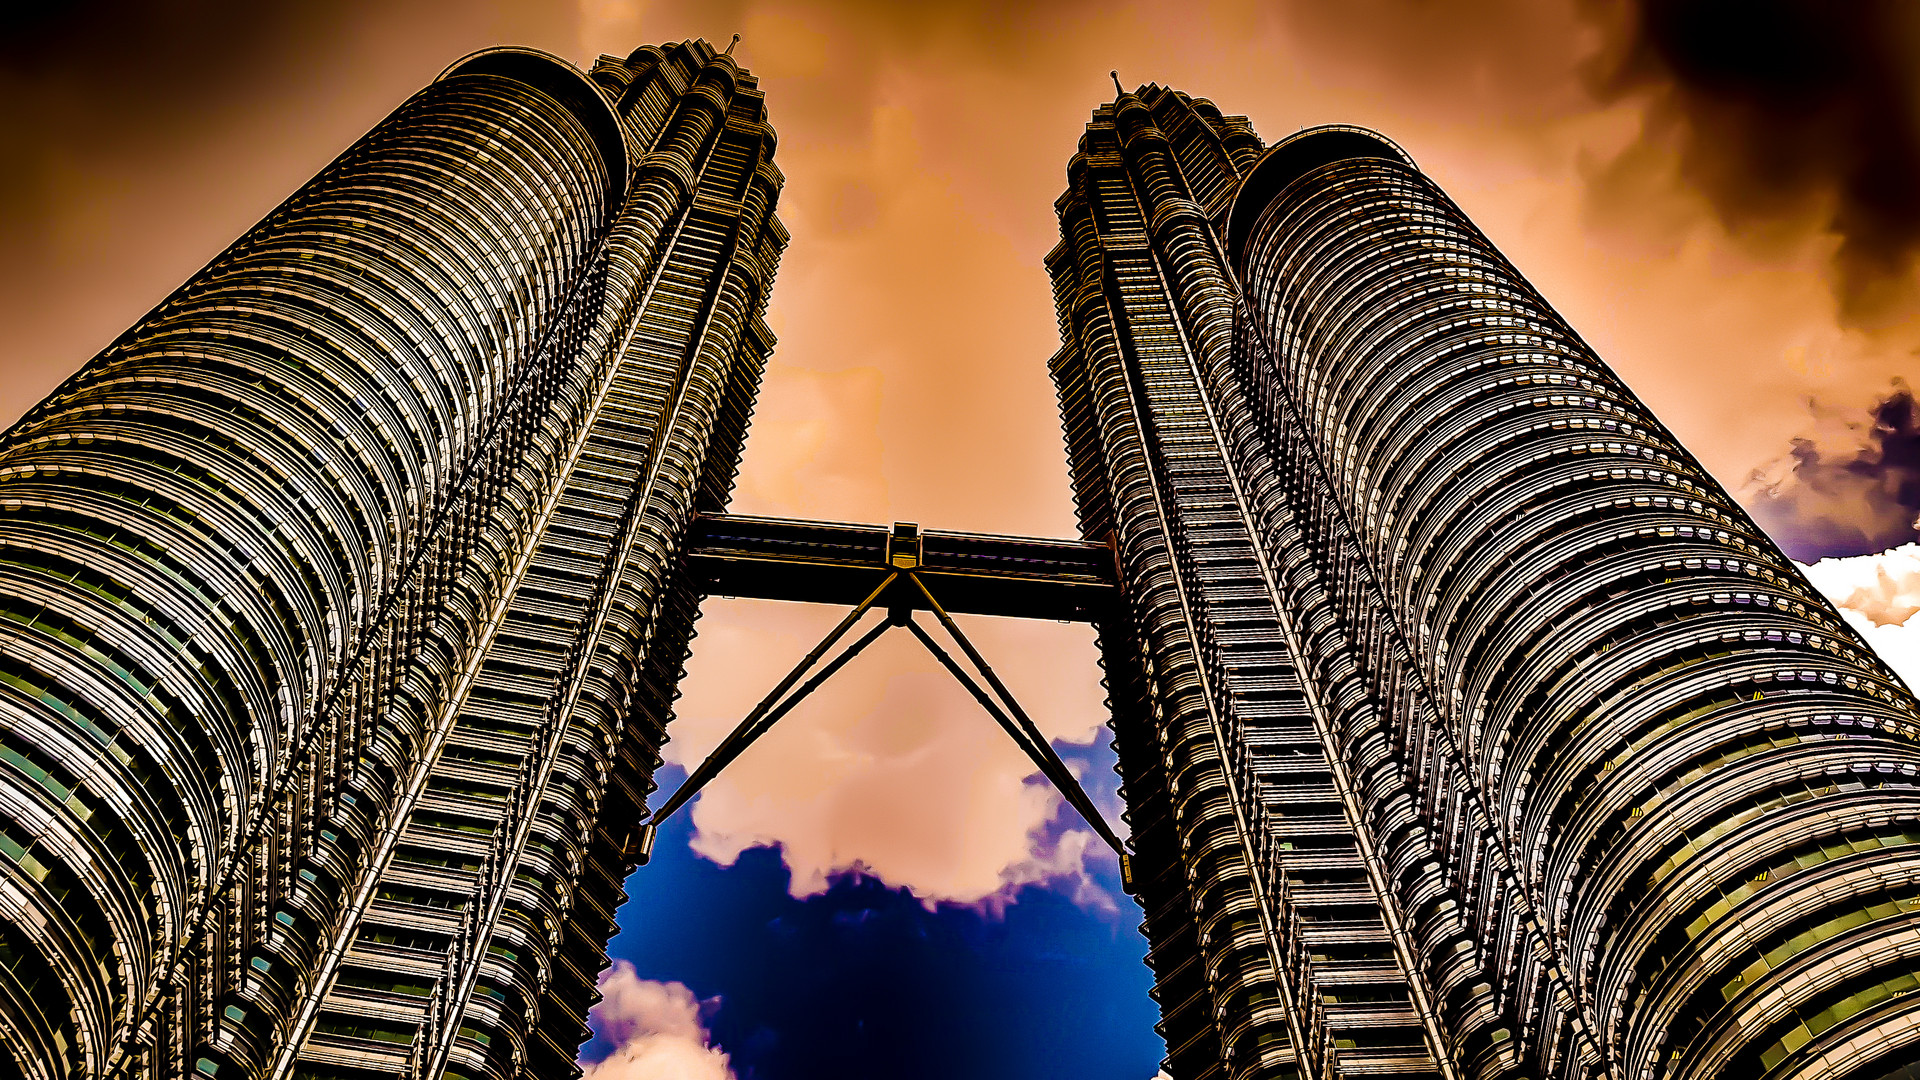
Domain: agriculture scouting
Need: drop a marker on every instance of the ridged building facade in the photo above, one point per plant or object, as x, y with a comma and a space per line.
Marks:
1467, 728
340, 594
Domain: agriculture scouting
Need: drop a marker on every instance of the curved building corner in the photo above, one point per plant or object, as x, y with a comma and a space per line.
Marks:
314, 694
1496, 735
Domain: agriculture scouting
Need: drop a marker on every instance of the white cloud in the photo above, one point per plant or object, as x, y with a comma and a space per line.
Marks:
1879, 594
655, 1029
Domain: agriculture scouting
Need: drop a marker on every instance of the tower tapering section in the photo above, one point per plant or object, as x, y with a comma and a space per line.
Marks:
1273, 948
342, 600
1466, 726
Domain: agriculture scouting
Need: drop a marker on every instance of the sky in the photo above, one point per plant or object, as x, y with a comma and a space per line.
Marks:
1718, 196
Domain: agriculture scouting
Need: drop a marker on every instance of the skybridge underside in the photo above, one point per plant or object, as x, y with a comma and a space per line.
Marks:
834, 563
897, 571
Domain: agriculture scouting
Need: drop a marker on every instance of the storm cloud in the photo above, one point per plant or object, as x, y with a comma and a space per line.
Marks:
1787, 112
1852, 492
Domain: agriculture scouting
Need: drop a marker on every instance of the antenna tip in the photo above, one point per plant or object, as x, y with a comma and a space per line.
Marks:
1115, 76
731, 44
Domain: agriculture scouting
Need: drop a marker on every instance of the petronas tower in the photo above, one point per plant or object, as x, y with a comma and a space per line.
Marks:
1467, 728
341, 613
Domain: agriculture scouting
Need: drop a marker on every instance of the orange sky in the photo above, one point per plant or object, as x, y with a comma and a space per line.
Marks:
923, 146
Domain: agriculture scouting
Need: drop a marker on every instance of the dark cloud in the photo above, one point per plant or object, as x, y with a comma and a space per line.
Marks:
116, 112
1820, 504
131, 39
1787, 111
85, 78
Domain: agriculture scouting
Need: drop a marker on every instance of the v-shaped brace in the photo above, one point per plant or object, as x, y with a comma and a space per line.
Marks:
994, 697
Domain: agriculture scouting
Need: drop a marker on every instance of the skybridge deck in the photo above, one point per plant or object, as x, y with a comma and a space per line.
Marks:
837, 563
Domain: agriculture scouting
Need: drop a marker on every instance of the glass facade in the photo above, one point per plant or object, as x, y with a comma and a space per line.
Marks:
340, 593
1467, 727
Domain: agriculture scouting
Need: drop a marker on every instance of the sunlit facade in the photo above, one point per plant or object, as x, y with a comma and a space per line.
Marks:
1467, 727
342, 594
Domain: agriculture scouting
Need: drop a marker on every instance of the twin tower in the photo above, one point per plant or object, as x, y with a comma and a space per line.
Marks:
1467, 727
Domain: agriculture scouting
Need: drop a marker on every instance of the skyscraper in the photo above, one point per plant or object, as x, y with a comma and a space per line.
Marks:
341, 594
1468, 728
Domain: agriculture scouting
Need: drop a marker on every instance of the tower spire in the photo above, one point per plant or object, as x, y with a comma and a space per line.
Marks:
1115, 76
731, 44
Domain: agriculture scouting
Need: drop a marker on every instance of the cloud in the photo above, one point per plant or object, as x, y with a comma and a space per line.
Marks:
1851, 489
891, 768
814, 445
605, 22
1483, 64
1784, 110
1879, 594
1057, 858
655, 1029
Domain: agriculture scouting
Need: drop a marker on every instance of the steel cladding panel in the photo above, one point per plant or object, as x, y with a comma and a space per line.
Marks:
1702, 780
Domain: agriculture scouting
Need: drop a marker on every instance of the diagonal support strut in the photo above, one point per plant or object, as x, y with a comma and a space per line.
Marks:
1039, 752
999, 703
763, 716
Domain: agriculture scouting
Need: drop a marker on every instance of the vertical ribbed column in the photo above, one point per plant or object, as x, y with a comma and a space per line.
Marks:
1210, 712
1675, 793
1418, 832
476, 943
216, 544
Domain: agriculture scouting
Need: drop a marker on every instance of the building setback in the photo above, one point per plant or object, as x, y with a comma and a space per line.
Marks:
1467, 727
340, 594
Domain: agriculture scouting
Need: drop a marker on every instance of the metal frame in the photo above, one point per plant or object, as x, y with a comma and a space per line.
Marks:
903, 589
